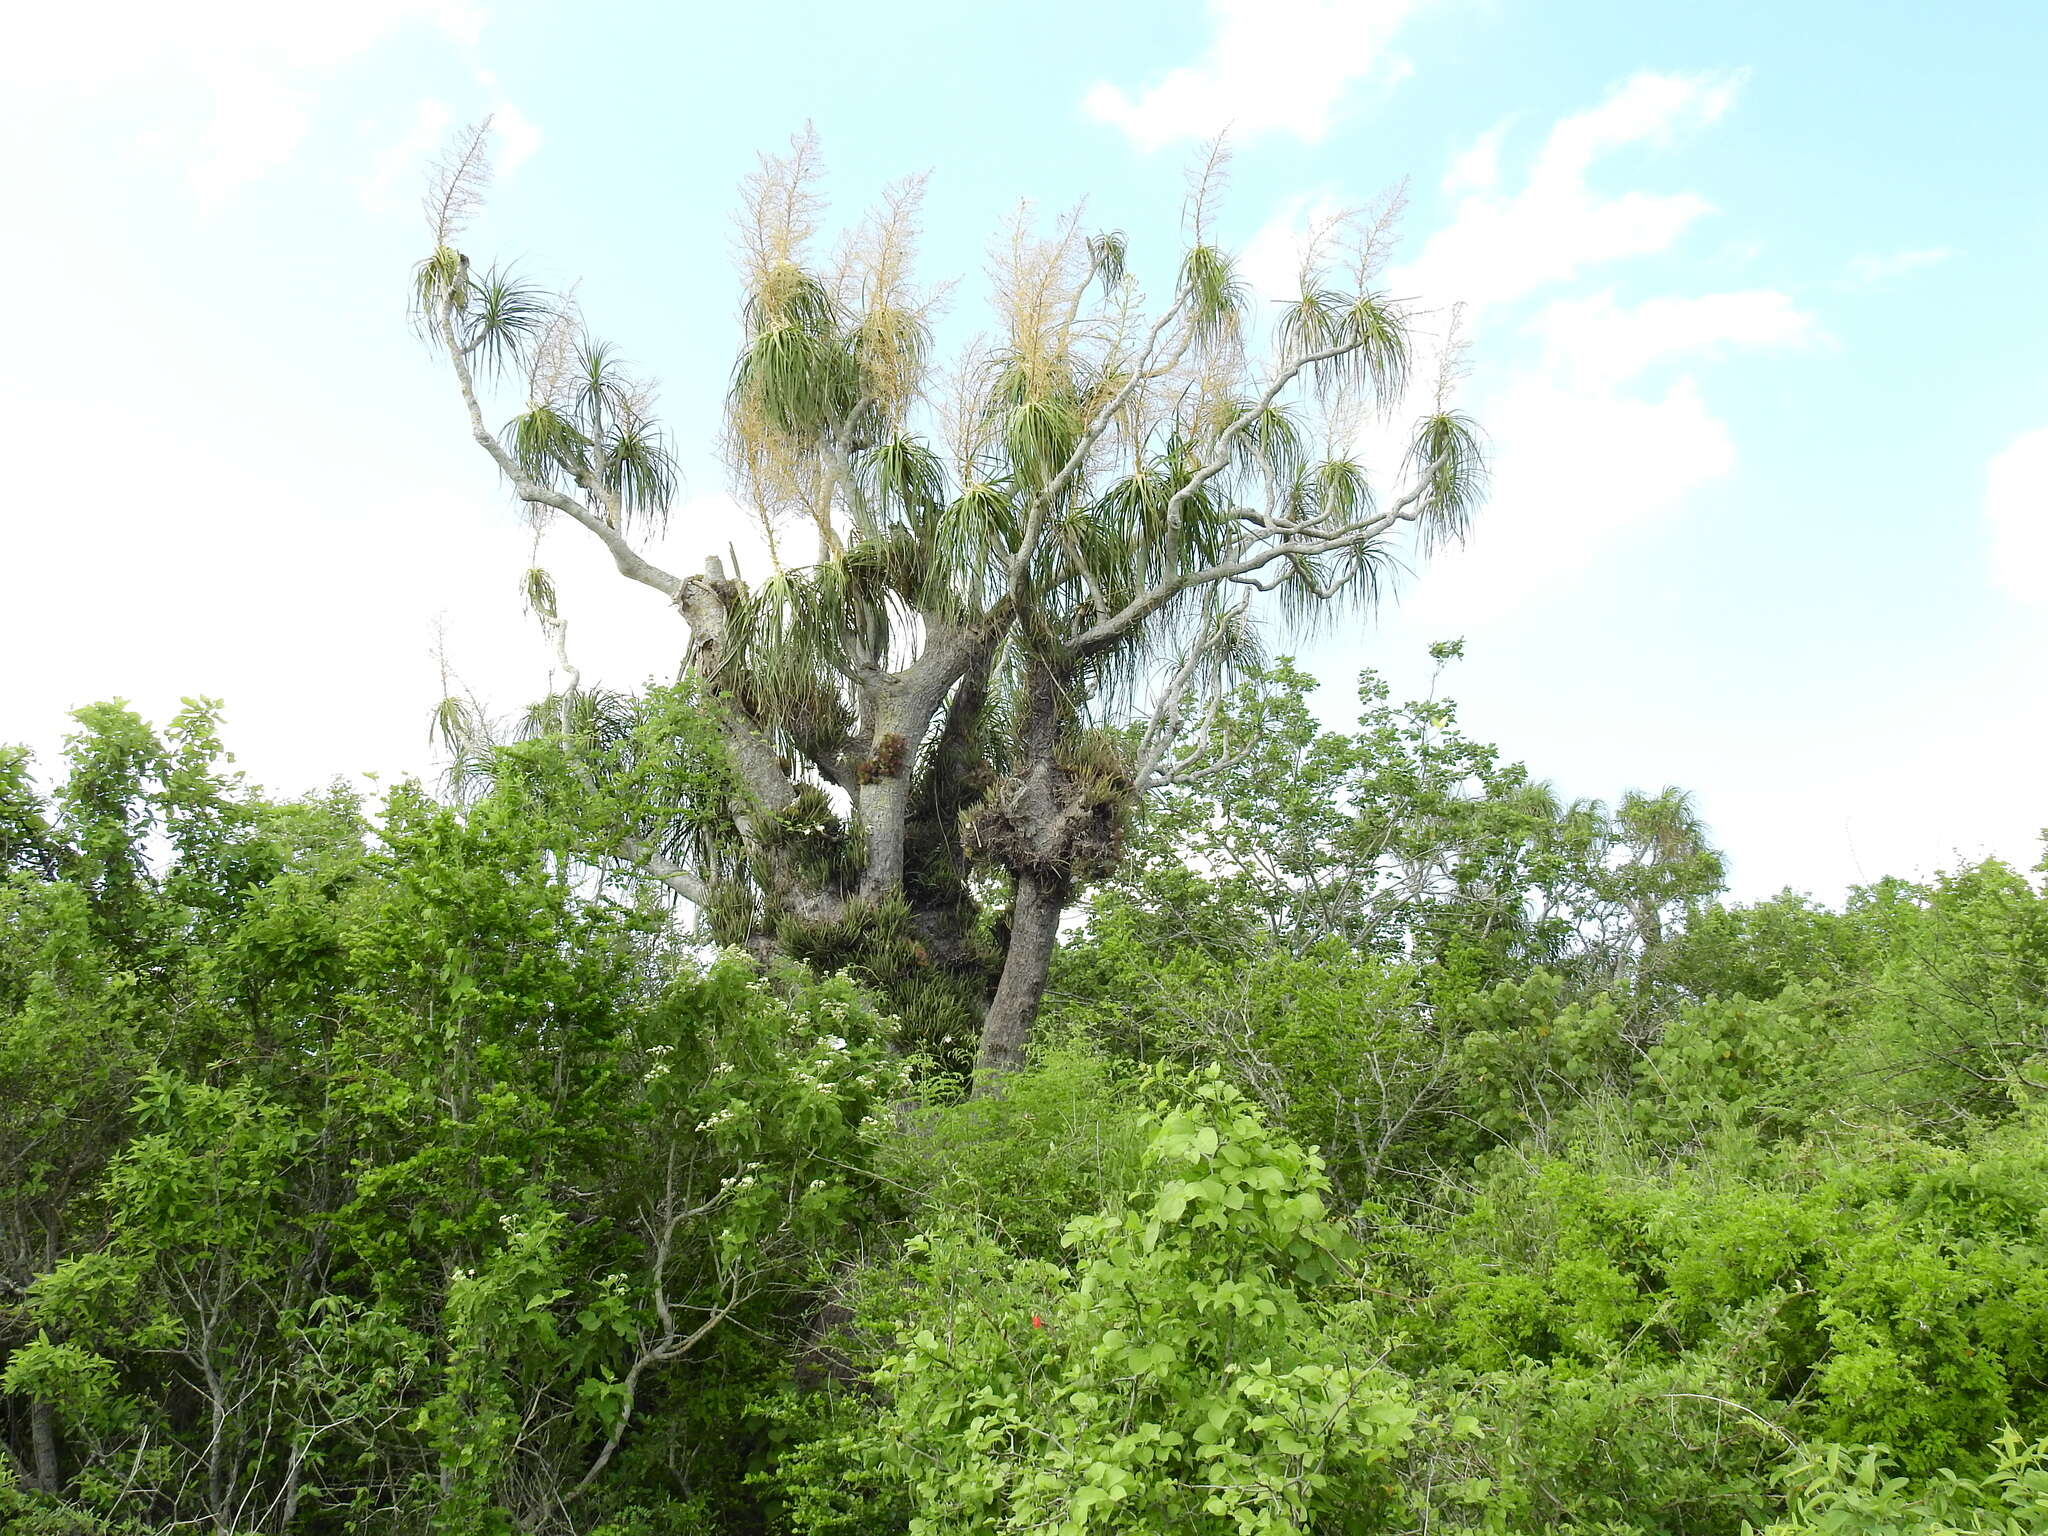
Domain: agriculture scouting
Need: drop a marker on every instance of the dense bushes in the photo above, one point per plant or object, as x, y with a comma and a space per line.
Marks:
377, 1176
391, 1170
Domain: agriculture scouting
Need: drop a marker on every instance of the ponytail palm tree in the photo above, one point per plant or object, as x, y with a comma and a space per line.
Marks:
1000, 593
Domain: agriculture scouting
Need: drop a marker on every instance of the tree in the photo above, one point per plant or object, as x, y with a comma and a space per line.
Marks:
1028, 575
1406, 840
372, 1172
1387, 935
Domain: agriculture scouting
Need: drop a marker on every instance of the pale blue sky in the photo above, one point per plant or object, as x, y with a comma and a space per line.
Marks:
1756, 294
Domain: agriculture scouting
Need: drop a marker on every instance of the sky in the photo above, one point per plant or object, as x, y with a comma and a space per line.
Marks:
1752, 293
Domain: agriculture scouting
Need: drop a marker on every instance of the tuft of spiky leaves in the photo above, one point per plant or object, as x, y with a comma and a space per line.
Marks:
1448, 457
1216, 296
537, 587
1106, 255
504, 319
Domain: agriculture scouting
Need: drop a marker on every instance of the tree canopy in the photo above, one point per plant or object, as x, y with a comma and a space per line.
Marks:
1003, 591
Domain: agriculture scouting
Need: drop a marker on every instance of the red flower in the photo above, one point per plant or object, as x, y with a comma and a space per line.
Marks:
1037, 1321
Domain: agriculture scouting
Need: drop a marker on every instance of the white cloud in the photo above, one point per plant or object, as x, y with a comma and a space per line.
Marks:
2016, 506
1478, 168
254, 129
1276, 66
1871, 269
1271, 260
397, 175
517, 136
398, 166
1584, 446
1597, 343
255, 65
1583, 453
1575, 467
1503, 245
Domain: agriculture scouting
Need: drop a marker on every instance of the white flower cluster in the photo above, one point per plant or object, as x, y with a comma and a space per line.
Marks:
744, 1179
659, 1070
722, 1117
804, 1078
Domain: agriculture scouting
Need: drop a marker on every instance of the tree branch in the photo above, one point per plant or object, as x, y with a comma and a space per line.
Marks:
685, 883
631, 564
1141, 373
1406, 509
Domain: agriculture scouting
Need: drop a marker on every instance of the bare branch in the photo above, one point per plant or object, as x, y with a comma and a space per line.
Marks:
684, 882
631, 564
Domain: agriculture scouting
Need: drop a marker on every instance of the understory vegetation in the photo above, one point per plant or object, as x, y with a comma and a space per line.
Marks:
1400, 1149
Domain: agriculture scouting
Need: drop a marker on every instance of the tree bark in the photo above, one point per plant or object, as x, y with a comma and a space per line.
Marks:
42, 1432
882, 800
1034, 932
42, 1416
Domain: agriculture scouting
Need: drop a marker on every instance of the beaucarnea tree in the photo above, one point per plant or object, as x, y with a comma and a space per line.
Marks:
1002, 593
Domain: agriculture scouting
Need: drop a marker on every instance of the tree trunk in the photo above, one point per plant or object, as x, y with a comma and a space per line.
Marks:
883, 805
42, 1433
42, 1415
1034, 931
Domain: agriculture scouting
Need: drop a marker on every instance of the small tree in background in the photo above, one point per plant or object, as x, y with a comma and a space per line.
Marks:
1002, 593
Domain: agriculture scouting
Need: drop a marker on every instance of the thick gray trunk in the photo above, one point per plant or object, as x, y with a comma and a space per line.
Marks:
884, 807
903, 715
1034, 931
